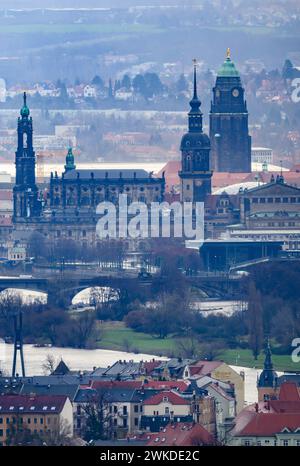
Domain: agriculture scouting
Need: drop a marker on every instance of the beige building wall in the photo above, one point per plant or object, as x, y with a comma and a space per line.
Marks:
226, 374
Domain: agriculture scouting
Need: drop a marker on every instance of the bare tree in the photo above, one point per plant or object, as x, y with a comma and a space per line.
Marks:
49, 364
98, 419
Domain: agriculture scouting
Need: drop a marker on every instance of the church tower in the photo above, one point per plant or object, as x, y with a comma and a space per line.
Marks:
267, 382
229, 135
25, 191
195, 174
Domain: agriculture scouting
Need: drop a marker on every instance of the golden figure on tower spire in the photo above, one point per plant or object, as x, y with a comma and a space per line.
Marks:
228, 53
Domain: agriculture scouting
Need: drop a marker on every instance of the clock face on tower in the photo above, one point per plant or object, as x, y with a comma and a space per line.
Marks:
235, 92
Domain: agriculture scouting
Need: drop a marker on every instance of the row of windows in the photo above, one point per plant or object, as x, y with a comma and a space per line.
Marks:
7, 431
276, 224
285, 443
277, 200
86, 201
21, 420
113, 189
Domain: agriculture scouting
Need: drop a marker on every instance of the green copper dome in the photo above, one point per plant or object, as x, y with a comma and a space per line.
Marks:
24, 112
70, 165
228, 68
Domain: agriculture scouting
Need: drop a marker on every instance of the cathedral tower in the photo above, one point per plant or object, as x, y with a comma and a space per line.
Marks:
25, 191
230, 140
195, 174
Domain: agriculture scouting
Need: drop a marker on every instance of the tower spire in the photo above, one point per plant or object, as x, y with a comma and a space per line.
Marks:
24, 110
195, 97
195, 114
268, 364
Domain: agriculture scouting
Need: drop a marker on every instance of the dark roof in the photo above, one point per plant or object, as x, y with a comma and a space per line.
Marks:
32, 404
65, 390
61, 369
112, 174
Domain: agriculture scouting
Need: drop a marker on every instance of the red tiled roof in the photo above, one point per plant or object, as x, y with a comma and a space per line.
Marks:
289, 391
167, 385
266, 424
32, 403
204, 367
149, 366
172, 397
182, 434
222, 179
108, 384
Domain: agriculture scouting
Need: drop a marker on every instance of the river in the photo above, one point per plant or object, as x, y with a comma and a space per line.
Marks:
78, 359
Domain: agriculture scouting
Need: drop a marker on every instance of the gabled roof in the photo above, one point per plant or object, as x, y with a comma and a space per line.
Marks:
204, 367
167, 396
276, 186
61, 369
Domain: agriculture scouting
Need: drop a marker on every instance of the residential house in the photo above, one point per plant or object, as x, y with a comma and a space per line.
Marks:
270, 422
40, 415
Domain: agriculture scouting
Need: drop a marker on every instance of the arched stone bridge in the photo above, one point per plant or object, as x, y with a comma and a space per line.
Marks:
218, 286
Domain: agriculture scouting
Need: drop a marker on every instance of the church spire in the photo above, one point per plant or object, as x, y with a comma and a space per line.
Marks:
24, 110
268, 364
195, 114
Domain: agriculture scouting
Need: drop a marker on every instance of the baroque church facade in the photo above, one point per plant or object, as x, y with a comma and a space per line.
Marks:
68, 210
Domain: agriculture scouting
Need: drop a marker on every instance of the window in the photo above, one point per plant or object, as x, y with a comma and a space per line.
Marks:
255, 200
115, 409
262, 200
35, 420
258, 443
285, 199
286, 443
1, 420
136, 408
298, 443
41, 420
167, 410
293, 199
270, 200
125, 422
124, 410
29, 421
247, 443
277, 200
136, 421
1, 432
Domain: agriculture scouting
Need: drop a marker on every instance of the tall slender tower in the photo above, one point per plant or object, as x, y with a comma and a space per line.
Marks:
229, 135
25, 191
195, 174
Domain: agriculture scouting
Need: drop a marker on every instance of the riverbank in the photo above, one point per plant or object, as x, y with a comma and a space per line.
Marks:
116, 336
